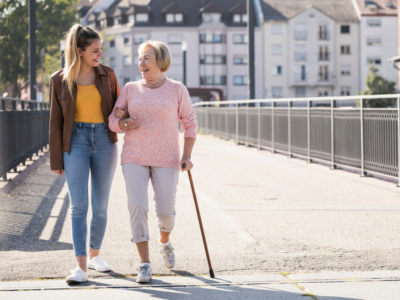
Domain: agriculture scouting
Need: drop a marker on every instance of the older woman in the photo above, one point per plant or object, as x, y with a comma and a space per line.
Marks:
151, 147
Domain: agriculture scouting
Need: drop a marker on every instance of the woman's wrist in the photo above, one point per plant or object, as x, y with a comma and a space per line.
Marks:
121, 124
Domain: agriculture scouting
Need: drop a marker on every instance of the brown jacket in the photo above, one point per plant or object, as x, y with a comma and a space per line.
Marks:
62, 111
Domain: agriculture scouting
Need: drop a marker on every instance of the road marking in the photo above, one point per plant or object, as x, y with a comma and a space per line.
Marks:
320, 208
230, 222
54, 214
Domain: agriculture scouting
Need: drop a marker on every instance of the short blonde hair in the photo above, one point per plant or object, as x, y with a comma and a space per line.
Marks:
163, 54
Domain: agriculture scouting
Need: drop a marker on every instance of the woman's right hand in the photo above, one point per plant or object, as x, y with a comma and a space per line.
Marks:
59, 172
121, 113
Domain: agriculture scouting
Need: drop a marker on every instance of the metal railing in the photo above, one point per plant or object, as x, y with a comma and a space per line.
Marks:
356, 137
300, 56
24, 130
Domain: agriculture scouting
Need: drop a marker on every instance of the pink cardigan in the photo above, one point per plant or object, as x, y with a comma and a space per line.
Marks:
156, 142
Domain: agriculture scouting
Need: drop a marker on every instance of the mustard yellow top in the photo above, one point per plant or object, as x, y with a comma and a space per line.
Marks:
88, 105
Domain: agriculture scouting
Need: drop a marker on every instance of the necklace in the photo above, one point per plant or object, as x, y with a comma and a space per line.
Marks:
153, 83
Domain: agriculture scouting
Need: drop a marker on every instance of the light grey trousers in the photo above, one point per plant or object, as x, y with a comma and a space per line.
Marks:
165, 182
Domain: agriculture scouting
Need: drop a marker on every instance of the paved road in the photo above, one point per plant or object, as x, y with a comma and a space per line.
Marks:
262, 214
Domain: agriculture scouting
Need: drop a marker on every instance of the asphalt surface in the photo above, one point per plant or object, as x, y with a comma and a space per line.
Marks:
262, 213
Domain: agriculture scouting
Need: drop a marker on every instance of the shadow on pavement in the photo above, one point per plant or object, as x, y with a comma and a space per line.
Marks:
26, 211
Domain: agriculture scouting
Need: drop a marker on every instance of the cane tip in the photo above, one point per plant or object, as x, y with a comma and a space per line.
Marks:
212, 273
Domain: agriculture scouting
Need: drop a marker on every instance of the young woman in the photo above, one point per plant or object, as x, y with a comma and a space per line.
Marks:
82, 96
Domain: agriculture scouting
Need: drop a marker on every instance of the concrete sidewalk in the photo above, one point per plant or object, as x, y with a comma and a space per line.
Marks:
262, 214
382, 285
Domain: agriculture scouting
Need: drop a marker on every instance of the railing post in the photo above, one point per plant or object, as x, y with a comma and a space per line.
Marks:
247, 125
289, 130
226, 122
237, 124
332, 136
3, 108
308, 131
273, 127
362, 136
398, 142
259, 126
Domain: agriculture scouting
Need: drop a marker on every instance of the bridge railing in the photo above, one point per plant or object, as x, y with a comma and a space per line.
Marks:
24, 130
340, 131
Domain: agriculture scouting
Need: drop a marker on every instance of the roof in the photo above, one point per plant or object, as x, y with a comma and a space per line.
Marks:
377, 7
86, 4
240, 8
338, 10
211, 8
173, 8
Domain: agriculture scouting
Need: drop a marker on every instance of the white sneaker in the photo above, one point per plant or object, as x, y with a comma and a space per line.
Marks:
144, 275
98, 264
77, 276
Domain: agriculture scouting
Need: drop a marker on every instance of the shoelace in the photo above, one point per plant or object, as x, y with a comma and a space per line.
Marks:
168, 251
144, 267
100, 260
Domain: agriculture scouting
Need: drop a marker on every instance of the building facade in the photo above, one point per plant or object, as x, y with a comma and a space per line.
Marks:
215, 33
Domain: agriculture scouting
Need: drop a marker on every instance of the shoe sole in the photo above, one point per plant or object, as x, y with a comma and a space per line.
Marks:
100, 270
74, 281
143, 281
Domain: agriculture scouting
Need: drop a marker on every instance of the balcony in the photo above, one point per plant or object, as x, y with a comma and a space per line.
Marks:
323, 35
213, 80
300, 35
300, 77
323, 56
300, 56
323, 76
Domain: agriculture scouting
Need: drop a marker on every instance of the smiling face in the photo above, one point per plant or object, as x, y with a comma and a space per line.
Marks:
92, 54
148, 64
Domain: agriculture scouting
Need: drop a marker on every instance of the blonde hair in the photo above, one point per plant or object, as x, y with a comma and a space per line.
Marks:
76, 37
163, 54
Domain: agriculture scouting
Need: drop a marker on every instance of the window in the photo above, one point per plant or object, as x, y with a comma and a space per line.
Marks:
113, 62
300, 31
240, 80
102, 24
345, 49
177, 59
374, 23
117, 21
211, 38
174, 18
276, 70
239, 18
212, 59
276, 28
112, 43
277, 92
131, 19
127, 61
136, 59
140, 38
345, 91
276, 49
142, 17
300, 91
126, 40
374, 42
374, 61
345, 29
240, 39
323, 74
345, 69
240, 60
300, 73
323, 93
213, 80
323, 33
211, 17
300, 53
174, 39
126, 80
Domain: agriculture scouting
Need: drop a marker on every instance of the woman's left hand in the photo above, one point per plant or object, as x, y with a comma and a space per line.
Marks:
121, 113
187, 162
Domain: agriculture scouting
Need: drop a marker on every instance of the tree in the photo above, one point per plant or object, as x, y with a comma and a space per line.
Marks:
377, 85
54, 17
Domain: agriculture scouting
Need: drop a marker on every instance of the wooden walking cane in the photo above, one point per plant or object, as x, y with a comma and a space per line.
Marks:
201, 224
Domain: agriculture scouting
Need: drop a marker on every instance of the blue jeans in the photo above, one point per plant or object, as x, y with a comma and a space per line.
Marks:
91, 149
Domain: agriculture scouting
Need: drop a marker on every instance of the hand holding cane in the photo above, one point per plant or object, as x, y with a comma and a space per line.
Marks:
200, 222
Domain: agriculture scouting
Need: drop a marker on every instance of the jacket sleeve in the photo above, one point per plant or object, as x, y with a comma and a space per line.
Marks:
116, 89
186, 114
122, 101
55, 129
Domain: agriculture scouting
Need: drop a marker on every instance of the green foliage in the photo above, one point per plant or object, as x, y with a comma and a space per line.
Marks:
53, 17
377, 85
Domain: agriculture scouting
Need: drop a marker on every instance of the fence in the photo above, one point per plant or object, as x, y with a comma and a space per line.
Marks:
24, 130
357, 137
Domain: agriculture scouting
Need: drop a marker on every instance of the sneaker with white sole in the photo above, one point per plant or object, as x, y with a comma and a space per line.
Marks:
77, 276
144, 275
168, 255
98, 264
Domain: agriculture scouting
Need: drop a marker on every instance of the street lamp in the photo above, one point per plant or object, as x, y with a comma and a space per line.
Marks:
184, 48
62, 49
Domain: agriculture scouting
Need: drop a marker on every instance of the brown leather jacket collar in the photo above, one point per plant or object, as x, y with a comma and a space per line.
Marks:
62, 110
